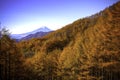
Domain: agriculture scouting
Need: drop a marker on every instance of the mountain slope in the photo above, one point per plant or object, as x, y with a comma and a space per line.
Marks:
87, 49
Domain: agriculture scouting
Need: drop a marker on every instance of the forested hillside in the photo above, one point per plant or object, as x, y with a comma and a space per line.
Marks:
87, 49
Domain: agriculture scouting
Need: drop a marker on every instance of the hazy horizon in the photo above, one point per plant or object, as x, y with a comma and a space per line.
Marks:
21, 16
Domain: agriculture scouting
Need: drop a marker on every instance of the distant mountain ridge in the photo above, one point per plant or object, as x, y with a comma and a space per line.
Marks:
36, 35
43, 29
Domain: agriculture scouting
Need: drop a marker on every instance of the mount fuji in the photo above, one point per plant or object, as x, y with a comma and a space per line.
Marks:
41, 30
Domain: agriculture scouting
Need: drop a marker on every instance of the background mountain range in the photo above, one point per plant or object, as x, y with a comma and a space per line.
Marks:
42, 31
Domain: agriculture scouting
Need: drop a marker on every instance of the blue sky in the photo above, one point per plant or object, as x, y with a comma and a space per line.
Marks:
21, 16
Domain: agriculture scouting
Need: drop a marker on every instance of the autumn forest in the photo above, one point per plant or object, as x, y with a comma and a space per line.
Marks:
87, 49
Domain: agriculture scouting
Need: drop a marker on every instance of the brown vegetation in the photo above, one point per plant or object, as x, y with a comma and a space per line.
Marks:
87, 49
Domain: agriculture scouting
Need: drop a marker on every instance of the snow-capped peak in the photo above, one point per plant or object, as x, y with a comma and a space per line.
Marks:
41, 29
